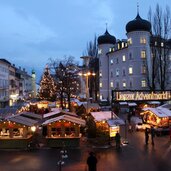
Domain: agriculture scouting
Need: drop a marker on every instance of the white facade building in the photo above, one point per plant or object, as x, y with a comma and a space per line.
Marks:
123, 64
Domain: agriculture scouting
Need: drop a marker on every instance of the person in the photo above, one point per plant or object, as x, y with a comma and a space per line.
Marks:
92, 162
152, 135
146, 136
118, 140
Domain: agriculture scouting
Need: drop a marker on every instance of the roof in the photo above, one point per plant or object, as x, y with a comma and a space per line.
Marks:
138, 24
115, 122
22, 120
159, 111
132, 104
103, 115
91, 105
67, 118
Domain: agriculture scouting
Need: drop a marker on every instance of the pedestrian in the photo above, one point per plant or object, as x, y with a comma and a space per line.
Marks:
152, 135
92, 162
118, 140
146, 135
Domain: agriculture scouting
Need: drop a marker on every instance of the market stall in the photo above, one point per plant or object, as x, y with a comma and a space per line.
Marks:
160, 117
63, 128
16, 131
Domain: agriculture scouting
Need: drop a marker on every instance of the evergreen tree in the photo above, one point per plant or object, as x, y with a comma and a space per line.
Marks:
47, 89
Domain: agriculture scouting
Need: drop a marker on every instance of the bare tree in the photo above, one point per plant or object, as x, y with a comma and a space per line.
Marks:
160, 48
68, 82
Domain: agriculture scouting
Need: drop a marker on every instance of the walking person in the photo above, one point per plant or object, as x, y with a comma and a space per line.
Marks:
92, 162
146, 136
152, 135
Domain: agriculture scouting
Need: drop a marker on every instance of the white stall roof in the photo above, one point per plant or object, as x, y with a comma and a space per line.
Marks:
23, 120
132, 104
123, 103
154, 102
103, 115
67, 118
160, 112
115, 122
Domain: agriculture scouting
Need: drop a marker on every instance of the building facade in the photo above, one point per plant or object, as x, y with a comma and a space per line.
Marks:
15, 84
126, 64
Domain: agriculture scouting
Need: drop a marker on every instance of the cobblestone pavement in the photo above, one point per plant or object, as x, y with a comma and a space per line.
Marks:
133, 157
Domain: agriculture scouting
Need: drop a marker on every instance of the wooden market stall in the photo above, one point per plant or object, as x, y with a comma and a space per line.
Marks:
159, 116
63, 128
107, 121
16, 131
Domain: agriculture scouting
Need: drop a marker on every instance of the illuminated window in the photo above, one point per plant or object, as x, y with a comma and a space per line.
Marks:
130, 70
143, 83
111, 84
162, 44
117, 85
129, 41
124, 84
101, 85
99, 51
155, 43
130, 55
118, 46
122, 44
111, 61
143, 69
100, 74
143, 54
101, 97
123, 58
143, 40
117, 72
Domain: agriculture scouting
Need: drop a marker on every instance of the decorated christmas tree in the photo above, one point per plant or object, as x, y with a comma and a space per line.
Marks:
47, 89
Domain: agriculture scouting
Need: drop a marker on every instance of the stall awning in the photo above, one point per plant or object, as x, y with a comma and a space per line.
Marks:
123, 103
132, 104
115, 122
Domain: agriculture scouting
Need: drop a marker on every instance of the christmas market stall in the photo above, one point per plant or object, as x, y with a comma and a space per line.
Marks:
62, 128
158, 117
108, 122
16, 131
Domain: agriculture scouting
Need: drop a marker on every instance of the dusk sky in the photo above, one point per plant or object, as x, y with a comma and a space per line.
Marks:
32, 31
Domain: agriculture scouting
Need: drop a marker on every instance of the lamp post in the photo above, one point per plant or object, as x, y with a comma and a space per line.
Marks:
87, 74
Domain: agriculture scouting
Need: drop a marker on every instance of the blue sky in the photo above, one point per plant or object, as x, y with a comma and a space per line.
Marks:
32, 31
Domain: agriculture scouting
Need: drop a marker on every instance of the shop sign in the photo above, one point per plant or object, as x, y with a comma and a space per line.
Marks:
122, 96
113, 130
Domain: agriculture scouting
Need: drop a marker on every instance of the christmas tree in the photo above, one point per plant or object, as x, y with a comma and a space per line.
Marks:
47, 89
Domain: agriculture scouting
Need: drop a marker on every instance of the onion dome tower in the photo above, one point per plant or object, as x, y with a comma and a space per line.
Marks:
106, 38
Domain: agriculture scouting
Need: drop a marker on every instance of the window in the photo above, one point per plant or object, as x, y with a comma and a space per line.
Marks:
117, 61
111, 61
143, 54
143, 69
117, 72
111, 75
143, 40
123, 72
99, 51
130, 55
162, 44
122, 44
111, 84
129, 41
143, 83
100, 74
130, 70
123, 58
101, 85
117, 85
124, 84
155, 43
118, 46
130, 84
